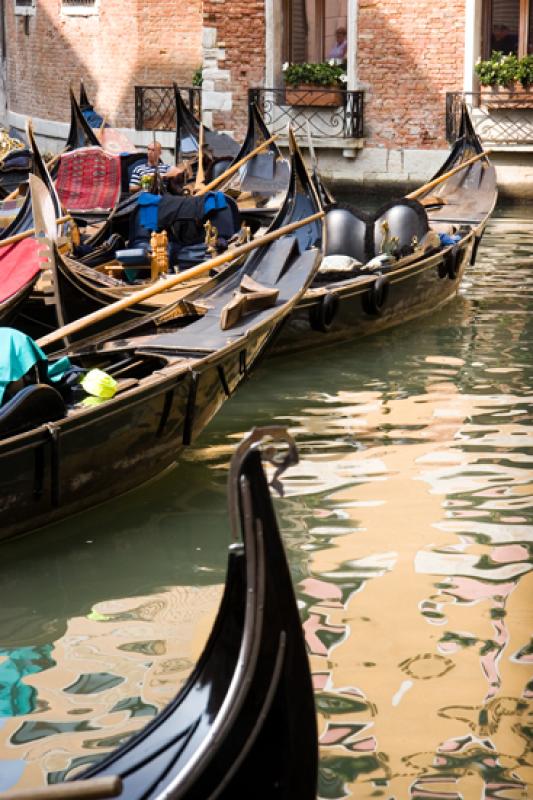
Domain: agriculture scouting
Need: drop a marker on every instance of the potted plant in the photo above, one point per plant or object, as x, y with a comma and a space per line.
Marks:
302, 81
506, 81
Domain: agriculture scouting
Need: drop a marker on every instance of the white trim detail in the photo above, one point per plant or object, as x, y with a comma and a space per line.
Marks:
473, 20
81, 9
26, 10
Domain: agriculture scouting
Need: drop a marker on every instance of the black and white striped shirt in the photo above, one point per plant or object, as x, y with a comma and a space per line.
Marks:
146, 169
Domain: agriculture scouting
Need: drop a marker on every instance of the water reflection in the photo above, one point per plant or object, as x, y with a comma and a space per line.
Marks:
408, 526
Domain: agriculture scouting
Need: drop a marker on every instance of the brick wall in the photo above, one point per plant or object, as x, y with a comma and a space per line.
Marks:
128, 42
409, 55
237, 44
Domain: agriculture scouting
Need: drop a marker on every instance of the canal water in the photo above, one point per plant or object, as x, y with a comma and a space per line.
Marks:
408, 527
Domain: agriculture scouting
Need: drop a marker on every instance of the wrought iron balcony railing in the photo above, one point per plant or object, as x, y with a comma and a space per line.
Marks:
502, 124
155, 109
327, 112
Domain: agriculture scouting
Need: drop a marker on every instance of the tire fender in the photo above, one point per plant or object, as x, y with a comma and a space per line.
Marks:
451, 262
376, 297
322, 315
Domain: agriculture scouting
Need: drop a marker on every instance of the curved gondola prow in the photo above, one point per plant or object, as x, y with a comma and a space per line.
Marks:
256, 132
249, 701
301, 200
187, 128
467, 144
84, 101
24, 219
40, 170
80, 133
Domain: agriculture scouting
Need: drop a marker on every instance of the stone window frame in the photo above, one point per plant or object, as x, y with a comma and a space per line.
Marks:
25, 9
79, 8
274, 44
525, 12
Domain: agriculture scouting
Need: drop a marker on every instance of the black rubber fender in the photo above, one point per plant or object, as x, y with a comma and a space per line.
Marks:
376, 297
322, 314
475, 246
451, 262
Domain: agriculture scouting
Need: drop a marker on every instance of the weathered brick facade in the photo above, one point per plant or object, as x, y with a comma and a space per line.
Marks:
236, 58
409, 54
128, 42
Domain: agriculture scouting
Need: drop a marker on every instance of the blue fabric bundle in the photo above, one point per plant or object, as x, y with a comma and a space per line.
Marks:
148, 204
448, 238
214, 201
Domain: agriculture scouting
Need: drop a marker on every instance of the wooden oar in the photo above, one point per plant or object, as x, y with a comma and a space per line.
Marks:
235, 167
169, 283
441, 178
89, 789
17, 237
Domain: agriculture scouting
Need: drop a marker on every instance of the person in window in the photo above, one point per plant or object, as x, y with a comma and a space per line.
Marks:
142, 175
503, 40
338, 51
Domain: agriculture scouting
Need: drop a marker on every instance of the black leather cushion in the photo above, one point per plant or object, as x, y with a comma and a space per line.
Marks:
405, 219
346, 228
30, 407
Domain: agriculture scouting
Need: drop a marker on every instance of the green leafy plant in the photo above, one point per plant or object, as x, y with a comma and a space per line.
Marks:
504, 70
197, 77
321, 74
525, 70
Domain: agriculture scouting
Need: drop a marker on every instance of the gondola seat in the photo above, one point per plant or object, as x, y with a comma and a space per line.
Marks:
346, 233
404, 220
30, 407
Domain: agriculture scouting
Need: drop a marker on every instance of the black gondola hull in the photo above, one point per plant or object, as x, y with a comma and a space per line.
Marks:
359, 308
62, 468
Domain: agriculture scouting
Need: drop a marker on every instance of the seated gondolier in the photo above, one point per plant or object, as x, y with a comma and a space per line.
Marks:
144, 173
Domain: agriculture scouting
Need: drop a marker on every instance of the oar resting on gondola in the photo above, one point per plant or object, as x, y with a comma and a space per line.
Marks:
247, 709
165, 375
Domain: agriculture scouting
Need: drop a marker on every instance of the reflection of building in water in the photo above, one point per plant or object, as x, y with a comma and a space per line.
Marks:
111, 672
402, 703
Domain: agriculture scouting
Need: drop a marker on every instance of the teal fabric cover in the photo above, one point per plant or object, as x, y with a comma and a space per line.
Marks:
19, 353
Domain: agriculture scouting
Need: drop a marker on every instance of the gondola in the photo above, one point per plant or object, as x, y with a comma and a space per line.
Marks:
402, 262
80, 135
21, 263
58, 457
74, 287
244, 723
264, 176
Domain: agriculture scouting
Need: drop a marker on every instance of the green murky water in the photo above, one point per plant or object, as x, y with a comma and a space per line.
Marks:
408, 525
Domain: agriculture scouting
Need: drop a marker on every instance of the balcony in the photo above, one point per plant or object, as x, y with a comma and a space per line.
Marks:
155, 108
333, 117
504, 123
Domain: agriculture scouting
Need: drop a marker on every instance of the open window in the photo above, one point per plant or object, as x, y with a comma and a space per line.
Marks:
314, 30
508, 27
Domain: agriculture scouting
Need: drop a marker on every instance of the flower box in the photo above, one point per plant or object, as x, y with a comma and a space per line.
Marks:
307, 94
514, 96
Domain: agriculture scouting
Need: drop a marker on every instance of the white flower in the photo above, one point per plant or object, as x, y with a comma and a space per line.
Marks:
331, 62
343, 78
285, 67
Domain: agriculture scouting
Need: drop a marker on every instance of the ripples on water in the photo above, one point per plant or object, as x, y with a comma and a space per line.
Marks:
408, 525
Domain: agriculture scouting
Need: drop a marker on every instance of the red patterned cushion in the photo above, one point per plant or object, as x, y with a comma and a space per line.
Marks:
88, 180
20, 263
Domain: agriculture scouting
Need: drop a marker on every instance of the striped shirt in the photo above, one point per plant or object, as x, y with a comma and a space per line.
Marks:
146, 169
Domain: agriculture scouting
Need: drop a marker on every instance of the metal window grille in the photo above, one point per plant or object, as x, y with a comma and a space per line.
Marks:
79, 2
